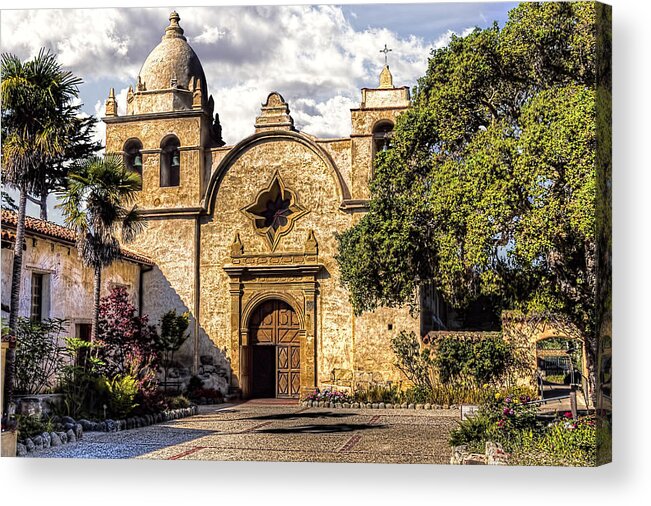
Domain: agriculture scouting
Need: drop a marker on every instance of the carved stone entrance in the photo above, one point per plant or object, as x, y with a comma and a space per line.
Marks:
273, 320
275, 349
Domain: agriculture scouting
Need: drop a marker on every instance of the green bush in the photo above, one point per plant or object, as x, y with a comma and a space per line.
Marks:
473, 432
564, 443
30, 426
178, 402
378, 393
481, 361
121, 393
39, 356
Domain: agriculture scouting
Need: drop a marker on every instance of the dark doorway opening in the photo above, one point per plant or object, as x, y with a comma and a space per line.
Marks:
263, 364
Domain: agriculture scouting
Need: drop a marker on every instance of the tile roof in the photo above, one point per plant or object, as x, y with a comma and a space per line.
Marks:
54, 231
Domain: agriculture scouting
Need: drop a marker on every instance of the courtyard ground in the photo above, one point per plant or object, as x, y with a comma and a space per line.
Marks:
258, 431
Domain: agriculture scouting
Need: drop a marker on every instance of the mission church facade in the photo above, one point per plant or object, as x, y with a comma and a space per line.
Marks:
243, 236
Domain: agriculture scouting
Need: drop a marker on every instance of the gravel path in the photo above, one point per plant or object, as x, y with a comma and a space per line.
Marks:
289, 433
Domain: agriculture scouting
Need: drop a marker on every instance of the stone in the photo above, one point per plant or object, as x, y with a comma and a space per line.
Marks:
381, 405
38, 443
68, 426
427, 406
56, 440
411, 406
388, 405
47, 440
29, 445
404, 405
79, 431
419, 406
67, 419
339, 405
355, 405
85, 424
63, 436
71, 436
495, 454
346, 405
21, 450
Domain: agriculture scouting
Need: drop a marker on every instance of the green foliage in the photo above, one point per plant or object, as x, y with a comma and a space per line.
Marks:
79, 378
480, 361
98, 205
489, 188
171, 338
32, 425
38, 118
121, 393
472, 432
379, 393
564, 443
39, 355
178, 402
415, 362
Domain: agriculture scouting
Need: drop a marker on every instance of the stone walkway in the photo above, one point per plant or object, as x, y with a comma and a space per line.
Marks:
270, 432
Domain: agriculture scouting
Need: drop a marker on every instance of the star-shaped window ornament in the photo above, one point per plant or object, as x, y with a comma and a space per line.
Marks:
274, 211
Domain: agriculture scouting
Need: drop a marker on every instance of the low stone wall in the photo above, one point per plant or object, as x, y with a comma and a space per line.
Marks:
494, 455
74, 430
374, 405
37, 405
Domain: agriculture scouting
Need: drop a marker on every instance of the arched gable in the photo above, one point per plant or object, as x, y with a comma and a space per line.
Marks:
270, 136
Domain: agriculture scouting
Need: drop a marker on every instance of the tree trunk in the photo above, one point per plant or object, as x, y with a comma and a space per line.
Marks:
16, 278
43, 204
96, 292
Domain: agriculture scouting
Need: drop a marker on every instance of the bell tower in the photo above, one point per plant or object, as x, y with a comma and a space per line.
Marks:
372, 124
168, 129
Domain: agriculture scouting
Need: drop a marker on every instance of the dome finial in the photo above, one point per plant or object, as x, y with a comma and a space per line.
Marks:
174, 30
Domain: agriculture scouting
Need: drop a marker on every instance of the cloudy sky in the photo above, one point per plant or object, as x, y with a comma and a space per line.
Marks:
317, 56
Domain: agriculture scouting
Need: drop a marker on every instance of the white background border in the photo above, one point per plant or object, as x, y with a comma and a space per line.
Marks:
626, 481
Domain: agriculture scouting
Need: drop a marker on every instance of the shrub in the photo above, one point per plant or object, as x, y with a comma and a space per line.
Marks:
178, 402
29, 426
473, 432
414, 362
481, 361
79, 378
39, 356
126, 341
378, 393
121, 393
171, 338
563, 443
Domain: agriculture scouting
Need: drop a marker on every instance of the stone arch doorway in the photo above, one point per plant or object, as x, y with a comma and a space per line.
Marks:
275, 350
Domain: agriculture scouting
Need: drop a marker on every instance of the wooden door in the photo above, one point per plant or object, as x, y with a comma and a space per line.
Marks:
274, 323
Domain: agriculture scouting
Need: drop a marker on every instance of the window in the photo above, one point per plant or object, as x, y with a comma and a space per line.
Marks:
36, 312
170, 162
133, 157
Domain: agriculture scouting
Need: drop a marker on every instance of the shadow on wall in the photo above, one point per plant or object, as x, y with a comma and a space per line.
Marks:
214, 367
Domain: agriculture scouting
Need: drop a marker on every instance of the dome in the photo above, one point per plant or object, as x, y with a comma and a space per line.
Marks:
173, 63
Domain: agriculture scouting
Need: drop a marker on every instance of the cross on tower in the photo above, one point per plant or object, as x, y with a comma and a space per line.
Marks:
386, 51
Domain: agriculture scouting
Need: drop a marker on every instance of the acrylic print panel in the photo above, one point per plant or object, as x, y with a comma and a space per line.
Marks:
360, 233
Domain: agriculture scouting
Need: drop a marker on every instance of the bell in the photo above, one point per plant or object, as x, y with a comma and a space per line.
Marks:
176, 161
137, 163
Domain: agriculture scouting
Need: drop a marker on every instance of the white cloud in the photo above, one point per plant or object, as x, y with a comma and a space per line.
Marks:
310, 54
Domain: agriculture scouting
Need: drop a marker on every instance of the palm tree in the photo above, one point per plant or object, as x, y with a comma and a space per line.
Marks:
98, 206
34, 98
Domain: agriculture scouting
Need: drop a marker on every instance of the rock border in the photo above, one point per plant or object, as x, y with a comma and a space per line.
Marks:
494, 455
74, 430
374, 405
